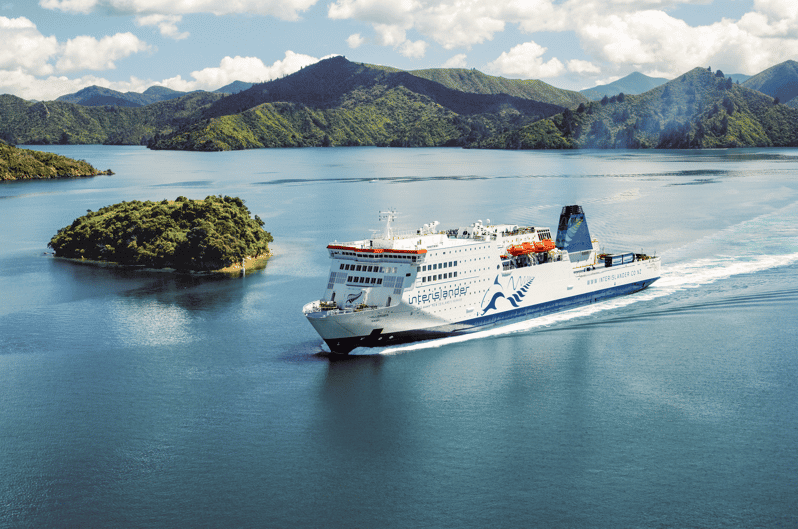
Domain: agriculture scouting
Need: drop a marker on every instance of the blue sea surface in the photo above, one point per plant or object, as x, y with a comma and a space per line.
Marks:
134, 398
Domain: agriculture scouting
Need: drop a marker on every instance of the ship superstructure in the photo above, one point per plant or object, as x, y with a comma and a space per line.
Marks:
401, 287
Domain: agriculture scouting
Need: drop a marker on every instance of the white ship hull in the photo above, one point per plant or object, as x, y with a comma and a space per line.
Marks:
427, 285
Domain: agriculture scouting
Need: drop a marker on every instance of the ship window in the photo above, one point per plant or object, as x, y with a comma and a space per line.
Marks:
455, 263
369, 270
349, 279
444, 265
379, 280
423, 279
435, 277
373, 280
455, 274
357, 268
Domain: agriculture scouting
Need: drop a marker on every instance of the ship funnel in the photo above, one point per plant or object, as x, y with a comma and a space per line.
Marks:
572, 232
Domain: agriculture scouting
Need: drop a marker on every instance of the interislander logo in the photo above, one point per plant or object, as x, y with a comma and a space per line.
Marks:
439, 295
515, 299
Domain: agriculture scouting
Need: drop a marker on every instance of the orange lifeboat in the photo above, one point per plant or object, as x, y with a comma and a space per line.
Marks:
520, 249
544, 246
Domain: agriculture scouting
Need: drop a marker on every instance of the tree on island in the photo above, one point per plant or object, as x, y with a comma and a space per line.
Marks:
196, 235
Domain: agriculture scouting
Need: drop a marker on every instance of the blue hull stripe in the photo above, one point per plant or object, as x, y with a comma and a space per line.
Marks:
345, 345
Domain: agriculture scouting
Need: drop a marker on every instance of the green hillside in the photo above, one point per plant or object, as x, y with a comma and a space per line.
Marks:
185, 234
697, 110
97, 95
779, 81
476, 82
25, 164
337, 102
54, 122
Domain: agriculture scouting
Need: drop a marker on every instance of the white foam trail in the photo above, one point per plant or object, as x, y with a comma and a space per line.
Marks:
674, 279
776, 229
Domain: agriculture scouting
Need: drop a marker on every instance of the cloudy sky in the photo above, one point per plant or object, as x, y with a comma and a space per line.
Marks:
54, 47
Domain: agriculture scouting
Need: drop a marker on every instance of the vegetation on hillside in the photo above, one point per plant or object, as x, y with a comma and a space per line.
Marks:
197, 235
57, 122
97, 95
700, 109
476, 82
335, 102
780, 81
25, 164
339, 103
396, 118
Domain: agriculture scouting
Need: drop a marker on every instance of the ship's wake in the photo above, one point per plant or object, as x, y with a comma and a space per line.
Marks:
775, 247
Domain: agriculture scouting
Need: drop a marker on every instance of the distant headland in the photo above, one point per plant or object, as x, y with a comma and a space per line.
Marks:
24, 164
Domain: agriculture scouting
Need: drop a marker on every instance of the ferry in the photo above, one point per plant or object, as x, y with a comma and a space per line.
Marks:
396, 288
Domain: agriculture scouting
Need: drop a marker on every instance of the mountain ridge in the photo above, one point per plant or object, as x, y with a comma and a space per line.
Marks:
633, 84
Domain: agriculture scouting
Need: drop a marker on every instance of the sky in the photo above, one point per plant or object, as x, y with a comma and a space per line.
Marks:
56, 47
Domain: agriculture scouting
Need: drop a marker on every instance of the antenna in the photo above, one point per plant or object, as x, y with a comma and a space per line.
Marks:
388, 216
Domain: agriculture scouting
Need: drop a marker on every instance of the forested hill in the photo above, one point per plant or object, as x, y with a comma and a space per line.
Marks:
337, 82
476, 82
338, 102
699, 109
26, 122
93, 96
25, 164
184, 234
779, 81
335, 102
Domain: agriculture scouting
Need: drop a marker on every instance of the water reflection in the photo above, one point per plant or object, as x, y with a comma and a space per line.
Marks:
192, 292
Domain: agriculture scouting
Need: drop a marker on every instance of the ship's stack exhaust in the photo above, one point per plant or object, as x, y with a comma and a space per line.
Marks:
572, 233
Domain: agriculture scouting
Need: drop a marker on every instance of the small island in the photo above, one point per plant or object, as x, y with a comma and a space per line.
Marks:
25, 164
215, 234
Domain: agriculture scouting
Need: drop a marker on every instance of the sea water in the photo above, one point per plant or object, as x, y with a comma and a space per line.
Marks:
153, 399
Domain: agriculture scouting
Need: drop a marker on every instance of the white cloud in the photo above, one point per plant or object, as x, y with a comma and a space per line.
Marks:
451, 23
414, 50
26, 52
24, 47
167, 25
375, 11
284, 9
389, 35
458, 61
88, 53
71, 6
460, 24
355, 40
654, 40
248, 69
525, 60
582, 67
30, 87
